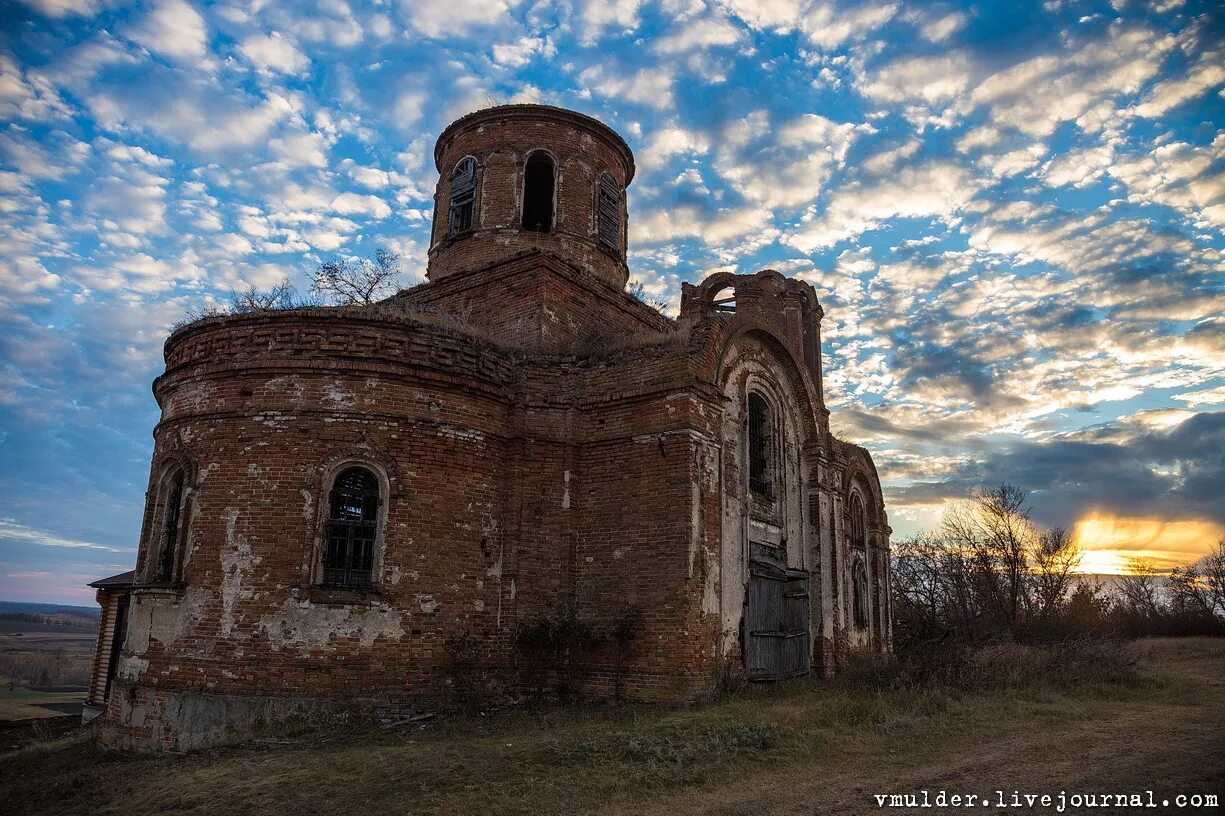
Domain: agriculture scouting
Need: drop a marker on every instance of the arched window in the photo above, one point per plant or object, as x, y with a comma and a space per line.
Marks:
538, 193
761, 447
859, 593
463, 196
608, 212
724, 300
170, 510
348, 557
859, 523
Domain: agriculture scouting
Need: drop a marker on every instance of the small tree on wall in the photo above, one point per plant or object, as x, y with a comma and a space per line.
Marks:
357, 281
340, 282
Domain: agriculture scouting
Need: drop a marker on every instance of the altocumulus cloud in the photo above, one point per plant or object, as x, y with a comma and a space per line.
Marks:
1013, 216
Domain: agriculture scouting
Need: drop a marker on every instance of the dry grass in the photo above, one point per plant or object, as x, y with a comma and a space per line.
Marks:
800, 747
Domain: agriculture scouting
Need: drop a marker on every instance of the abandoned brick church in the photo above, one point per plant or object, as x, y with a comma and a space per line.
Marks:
511, 478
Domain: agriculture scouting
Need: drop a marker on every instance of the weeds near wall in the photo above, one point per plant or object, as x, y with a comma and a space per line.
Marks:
624, 630
553, 647
557, 649
463, 663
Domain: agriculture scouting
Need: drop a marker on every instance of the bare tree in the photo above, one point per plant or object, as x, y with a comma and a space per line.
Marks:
920, 587
281, 296
357, 281
1139, 589
994, 532
638, 291
1055, 558
1212, 567
1190, 601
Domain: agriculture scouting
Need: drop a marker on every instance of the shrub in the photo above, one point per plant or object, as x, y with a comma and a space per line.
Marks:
999, 662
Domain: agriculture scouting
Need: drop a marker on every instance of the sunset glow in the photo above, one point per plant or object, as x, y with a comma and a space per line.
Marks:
1110, 541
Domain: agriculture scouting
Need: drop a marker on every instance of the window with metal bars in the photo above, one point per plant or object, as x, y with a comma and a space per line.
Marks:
608, 213
761, 446
348, 557
463, 197
168, 534
538, 193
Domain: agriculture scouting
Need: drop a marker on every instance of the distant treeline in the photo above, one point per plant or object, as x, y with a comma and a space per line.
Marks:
988, 570
49, 620
61, 610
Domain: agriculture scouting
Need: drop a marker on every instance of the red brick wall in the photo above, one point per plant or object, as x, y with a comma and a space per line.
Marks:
549, 445
501, 139
537, 302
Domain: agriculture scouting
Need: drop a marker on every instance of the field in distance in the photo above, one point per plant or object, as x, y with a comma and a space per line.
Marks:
45, 655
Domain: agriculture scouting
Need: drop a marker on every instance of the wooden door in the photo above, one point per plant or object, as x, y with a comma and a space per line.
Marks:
775, 641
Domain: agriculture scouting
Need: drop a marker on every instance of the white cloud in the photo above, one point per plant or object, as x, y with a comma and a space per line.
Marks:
136, 272
174, 29
715, 228
62, 8
825, 24
1080, 84
14, 530
880, 163
597, 16
1078, 167
927, 79
523, 51
137, 155
408, 108
1179, 175
128, 198
52, 157
937, 189
28, 97
358, 204
941, 29
75, 67
647, 86
370, 177
1206, 74
325, 21
785, 166
669, 141
1207, 397
706, 32
273, 53
301, 150
446, 18
195, 114
1003, 165
1035, 96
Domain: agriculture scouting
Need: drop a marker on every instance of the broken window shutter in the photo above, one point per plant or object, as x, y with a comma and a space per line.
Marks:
463, 196
608, 213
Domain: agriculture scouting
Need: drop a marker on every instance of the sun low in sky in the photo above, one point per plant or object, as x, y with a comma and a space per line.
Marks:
1012, 212
1110, 543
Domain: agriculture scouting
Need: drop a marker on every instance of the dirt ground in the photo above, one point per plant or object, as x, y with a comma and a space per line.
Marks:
807, 747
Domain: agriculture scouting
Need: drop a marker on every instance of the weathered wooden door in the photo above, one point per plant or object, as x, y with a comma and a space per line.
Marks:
775, 618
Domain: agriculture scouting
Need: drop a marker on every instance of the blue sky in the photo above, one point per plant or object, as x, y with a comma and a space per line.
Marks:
1012, 213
